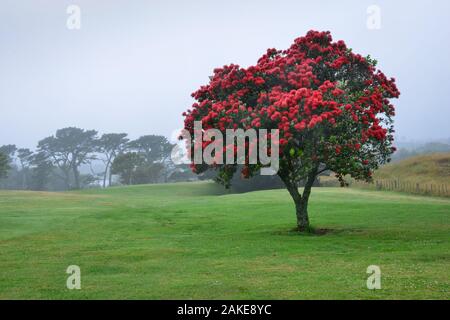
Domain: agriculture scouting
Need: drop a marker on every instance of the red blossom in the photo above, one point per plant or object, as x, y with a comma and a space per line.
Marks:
313, 92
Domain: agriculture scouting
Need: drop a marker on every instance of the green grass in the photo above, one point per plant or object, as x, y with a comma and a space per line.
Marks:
184, 241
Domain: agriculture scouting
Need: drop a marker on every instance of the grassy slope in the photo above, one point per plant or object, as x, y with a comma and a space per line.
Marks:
179, 241
425, 169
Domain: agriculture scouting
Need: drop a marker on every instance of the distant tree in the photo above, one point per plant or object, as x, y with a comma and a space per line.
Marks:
9, 151
125, 165
258, 182
182, 172
89, 180
148, 173
41, 170
68, 149
110, 145
4, 166
153, 148
25, 157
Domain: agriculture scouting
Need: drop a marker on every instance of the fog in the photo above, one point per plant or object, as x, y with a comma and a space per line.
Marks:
132, 65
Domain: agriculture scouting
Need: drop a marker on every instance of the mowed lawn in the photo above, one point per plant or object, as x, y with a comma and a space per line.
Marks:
189, 240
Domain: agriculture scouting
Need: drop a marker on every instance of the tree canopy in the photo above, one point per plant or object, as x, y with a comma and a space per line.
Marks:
153, 148
68, 149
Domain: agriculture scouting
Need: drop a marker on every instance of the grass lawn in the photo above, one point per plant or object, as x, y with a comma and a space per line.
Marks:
183, 241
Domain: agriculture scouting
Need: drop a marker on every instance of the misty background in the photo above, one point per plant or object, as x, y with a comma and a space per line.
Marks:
133, 64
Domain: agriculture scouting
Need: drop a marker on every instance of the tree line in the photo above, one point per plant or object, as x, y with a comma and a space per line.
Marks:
75, 158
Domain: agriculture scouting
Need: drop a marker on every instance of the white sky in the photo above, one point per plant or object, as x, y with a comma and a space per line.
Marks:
133, 64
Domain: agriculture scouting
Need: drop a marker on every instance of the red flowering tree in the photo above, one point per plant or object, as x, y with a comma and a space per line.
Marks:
332, 108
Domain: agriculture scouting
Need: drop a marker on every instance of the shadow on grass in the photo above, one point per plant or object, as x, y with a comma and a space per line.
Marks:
312, 231
318, 232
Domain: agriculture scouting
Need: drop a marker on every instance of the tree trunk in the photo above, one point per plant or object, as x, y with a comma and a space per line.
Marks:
24, 179
109, 178
301, 208
104, 178
66, 177
303, 224
107, 173
301, 200
76, 176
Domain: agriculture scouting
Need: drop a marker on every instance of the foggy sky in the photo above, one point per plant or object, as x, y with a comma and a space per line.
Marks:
133, 64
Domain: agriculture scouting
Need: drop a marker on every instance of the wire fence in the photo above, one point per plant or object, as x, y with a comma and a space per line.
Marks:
430, 189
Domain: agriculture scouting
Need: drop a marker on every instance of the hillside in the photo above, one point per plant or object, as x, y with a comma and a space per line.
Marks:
187, 240
424, 174
424, 169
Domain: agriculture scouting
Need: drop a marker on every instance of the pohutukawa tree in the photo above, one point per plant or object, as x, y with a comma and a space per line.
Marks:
332, 108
